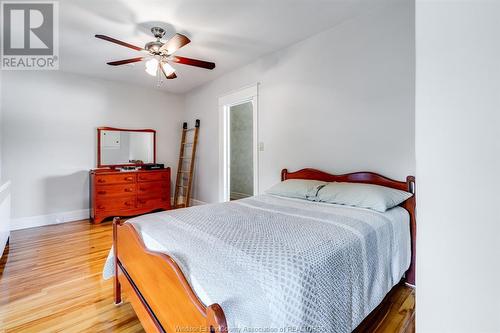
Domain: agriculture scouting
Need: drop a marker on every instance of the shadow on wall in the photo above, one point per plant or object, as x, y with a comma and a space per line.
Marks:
67, 193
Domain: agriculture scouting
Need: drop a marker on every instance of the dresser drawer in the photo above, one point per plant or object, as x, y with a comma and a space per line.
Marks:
115, 190
153, 176
116, 203
152, 188
152, 201
115, 179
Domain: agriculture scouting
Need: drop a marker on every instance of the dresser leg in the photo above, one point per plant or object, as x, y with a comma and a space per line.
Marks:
97, 220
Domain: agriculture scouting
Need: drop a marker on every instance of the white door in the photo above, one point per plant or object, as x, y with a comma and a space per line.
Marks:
238, 144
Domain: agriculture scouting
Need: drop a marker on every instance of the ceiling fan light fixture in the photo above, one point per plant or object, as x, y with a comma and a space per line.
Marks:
152, 67
169, 70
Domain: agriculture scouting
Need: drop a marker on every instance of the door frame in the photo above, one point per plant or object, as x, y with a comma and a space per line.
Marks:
226, 101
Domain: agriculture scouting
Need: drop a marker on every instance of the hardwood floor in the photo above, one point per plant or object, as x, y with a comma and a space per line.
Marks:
396, 313
50, 281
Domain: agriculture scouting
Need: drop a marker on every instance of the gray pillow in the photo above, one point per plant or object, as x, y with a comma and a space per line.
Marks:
376, 197
297, 188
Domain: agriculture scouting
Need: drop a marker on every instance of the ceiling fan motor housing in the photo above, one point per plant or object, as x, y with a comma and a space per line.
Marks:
153, 47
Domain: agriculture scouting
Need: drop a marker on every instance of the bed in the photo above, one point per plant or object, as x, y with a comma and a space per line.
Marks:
264, 263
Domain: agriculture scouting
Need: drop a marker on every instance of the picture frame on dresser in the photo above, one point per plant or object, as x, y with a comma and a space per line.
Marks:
115, 191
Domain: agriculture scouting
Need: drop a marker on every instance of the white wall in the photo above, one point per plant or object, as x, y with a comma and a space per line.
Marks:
1, 119
4, 215
341, 101
4, 192
49, 136
458, 160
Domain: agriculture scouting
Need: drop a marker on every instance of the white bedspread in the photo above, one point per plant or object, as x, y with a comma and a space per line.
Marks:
286, 265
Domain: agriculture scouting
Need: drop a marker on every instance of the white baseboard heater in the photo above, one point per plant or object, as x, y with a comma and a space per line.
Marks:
4, 215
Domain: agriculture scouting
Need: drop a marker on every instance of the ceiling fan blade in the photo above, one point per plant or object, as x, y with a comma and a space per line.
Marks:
193, 62
126, 61
171, 76
175, 43
119, 42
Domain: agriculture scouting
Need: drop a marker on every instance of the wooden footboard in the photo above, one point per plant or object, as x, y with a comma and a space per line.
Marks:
158, 290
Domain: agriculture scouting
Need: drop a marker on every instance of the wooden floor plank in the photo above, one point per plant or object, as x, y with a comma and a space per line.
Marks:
51, 281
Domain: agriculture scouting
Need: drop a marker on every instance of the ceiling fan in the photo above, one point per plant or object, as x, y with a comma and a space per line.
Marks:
159, 54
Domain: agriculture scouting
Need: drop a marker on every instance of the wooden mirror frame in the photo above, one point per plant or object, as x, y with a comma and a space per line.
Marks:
112, 166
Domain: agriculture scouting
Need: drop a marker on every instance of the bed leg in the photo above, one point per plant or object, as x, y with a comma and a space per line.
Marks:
116, 283
117, 291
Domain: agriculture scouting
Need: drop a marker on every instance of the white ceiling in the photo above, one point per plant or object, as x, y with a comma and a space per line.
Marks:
230, 33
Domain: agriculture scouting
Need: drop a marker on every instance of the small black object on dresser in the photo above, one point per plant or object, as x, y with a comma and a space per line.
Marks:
153, 166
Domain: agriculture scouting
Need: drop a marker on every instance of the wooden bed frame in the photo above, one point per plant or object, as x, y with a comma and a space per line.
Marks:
160, 293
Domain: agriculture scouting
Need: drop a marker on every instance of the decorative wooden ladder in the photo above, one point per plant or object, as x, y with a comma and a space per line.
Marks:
184, 179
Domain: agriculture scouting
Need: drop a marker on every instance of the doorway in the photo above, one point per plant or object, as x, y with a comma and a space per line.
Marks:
238, 146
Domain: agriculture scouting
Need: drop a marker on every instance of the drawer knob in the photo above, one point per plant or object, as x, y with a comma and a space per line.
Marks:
129, 178
100, 180
101, 192
128, 203
100, 207
128, 190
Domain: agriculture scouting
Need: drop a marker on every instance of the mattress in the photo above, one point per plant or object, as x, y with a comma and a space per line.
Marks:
280, 264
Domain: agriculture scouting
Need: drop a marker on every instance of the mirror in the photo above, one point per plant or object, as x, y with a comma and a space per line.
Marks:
119, 147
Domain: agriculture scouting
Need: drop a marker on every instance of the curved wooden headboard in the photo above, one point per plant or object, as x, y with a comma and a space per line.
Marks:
376, 179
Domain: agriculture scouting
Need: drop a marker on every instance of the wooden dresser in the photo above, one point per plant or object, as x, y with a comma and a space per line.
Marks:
117, 193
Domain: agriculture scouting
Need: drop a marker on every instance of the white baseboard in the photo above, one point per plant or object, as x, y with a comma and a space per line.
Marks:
238, 195
41, 220
195, 202
63, 217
